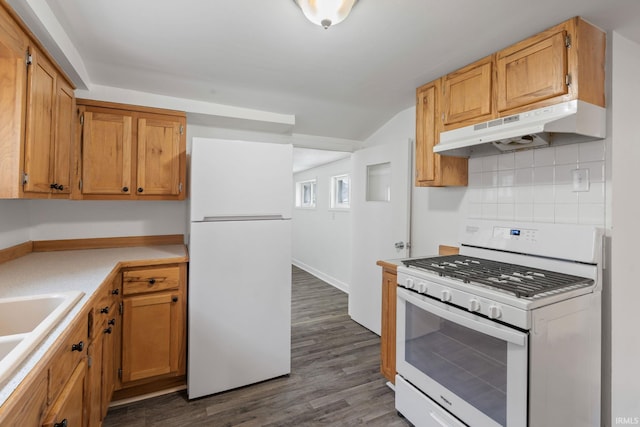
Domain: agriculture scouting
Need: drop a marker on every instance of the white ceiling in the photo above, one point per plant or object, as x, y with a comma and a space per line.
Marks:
344, 82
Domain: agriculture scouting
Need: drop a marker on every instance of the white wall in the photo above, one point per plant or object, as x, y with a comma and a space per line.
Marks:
14, 223
625, 269
322, 236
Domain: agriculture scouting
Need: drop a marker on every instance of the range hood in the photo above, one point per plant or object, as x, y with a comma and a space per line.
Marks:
565, 123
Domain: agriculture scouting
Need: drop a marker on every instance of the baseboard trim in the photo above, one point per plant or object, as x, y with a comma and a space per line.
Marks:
344, 287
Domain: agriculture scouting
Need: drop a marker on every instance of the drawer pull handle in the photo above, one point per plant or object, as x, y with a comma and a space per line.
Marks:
125, 189
105, 310
108, 330
152, 281
140, 189
77, 347
174, 299
62, 423
115, 292
111, 322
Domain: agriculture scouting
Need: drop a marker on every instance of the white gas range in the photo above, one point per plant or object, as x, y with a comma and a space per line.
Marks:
505, 334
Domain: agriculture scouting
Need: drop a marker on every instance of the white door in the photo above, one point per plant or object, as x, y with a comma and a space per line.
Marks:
381, 188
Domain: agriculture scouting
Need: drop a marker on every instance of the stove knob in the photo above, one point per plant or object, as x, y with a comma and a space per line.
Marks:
474, 305
446, 296
422, 288
408, 283
494, 312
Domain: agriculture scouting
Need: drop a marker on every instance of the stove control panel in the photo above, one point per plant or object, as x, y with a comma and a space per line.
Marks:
466, 300
507, 233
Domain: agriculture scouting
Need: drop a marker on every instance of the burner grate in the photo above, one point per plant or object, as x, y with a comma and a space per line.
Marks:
523, 282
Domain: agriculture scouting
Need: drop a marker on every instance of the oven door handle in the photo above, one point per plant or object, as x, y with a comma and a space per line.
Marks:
460, 317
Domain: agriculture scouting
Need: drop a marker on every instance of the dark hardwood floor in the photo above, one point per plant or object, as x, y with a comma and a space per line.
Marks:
335, 377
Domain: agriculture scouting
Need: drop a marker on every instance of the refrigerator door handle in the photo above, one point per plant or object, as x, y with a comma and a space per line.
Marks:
243, 218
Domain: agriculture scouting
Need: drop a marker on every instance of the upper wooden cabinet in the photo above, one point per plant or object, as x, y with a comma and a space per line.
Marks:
563, 63
36, 114
130, 152
434, 170
467, 94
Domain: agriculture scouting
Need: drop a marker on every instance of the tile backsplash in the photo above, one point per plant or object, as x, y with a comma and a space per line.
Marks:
538, 185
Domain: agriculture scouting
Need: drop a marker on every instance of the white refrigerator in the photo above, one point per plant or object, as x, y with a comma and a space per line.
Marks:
239, 264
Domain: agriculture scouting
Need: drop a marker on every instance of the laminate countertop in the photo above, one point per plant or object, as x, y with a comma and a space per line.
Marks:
73, 270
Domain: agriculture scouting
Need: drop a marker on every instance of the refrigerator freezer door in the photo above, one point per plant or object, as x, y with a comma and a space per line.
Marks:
239, 304
239, 178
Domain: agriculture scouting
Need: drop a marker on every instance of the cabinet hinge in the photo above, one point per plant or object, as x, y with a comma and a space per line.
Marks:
181, 129
120, 373
81, 119
567, 79
28, 60
25, 178
567, 41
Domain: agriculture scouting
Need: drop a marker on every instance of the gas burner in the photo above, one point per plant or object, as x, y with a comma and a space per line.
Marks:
523, 282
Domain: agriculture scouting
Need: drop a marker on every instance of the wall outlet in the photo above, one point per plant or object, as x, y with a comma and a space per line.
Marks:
580, 179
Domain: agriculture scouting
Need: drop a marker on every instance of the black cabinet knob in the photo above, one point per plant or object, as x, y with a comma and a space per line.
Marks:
152, 281
140, 189
105, 310
174, 299
53, 186
62, 423
108, 330
115, 292
125, 189
111, 322
77, 347
60, 187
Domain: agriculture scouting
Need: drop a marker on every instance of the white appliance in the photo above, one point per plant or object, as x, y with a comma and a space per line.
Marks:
505, 334
239, 264
564, 123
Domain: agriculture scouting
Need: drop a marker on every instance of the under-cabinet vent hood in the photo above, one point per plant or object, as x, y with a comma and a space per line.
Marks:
565, 123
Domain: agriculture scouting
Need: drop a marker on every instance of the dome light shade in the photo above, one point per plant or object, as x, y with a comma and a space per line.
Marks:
326, 12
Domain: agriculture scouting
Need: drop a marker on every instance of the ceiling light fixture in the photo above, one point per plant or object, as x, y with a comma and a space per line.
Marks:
326, 12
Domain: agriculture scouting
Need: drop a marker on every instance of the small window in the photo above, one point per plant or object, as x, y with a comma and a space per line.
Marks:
306, 194
340, 192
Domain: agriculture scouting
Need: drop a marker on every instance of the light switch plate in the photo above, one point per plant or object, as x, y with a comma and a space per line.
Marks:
580, 179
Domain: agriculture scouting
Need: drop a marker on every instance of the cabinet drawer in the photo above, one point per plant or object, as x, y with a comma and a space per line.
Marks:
71, 350
150, 280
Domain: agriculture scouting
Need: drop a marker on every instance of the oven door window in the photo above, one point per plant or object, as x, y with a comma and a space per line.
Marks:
468, 363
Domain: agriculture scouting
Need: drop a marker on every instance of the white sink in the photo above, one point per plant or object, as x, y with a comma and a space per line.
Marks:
25, 322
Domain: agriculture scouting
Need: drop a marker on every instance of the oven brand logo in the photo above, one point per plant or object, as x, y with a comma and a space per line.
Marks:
627, 420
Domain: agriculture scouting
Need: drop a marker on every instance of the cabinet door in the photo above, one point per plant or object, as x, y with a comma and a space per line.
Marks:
70, 404
532, 71
13, 84
94, 377
467, 94
110, 334
426, 133
106, 153
158, 157
64, 137
152, 335
39, 137
388, 335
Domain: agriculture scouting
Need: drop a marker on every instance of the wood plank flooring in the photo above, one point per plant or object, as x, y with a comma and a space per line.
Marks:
335, 378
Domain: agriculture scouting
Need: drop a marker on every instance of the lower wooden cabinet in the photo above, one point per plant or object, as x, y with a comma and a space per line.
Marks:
153, 324
69, 407
388, 330
130, 337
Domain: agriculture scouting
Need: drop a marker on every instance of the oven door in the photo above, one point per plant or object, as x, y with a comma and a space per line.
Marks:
473, 367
